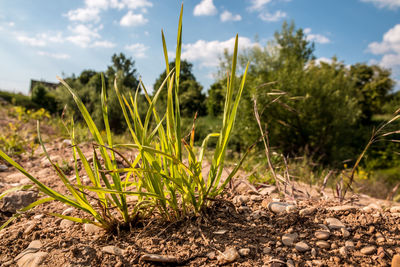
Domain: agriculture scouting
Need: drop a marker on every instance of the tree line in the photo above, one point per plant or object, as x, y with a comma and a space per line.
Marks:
325, 110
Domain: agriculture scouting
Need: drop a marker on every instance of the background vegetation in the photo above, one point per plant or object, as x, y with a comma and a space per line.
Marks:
317, 114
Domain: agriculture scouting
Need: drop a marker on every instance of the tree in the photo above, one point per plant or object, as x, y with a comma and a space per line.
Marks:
124, 69
373, 85
44, 98
191, 98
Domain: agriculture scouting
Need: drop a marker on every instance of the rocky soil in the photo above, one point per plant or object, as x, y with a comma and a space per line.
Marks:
248, 226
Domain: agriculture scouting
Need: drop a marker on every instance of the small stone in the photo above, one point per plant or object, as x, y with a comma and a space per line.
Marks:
368, 250
395, 209
396, 260
66, 143
66, 224
349, 244
314, 252
334, 223
345, 233
380, 238
18, 200
38, 217
334, 246
323, 244
267, 250
291, 209
302, 247
342, 208
307, 211
371, 229
322, 235
92, 229
68, 211
220, 232
343, 251
32, 259
267, 190
289, 239
113, 250
244, 252
30, 228
211, 255
255, 198
277, 207
3, 168
381, 252
290, 263
230, 255
395, 214
240, 200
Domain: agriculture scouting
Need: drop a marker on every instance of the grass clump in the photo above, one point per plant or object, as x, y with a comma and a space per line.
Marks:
166, 174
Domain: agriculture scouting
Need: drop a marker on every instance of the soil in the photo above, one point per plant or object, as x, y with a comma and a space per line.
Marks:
239, 221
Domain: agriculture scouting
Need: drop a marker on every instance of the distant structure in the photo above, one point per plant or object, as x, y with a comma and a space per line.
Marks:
50, 85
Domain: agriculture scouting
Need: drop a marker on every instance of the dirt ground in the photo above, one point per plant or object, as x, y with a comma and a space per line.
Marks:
247, 226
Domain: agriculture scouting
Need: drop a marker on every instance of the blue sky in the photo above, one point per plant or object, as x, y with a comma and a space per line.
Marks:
44, 38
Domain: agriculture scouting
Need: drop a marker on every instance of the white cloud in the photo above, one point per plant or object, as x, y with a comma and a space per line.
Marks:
40, 40
272, 17
138, 50
391, 4
207, 53
134, 4
389, 49
131, 19
83, 35
318, 38
84, 14
101, 4
258, 5
32, 41
205, 8
53, 55
104, 44
389, 44
11, 24
228, 16
322, 59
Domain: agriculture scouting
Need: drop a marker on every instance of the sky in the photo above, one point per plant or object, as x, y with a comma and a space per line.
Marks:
44, 38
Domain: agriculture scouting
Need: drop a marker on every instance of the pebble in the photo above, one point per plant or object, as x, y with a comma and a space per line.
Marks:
230, 255
314, 252
3, 168
255, 198
349, 244
113, 250
343, 251
92, 229
307, 211
267, 250
368, 250
395, 209
380, 238
323, 244
240, 199
334, 246
290, 263
322, 235
29, 228
66, 224
31, 256
345, 233
289, 239
302, 247
211, 255
38, 217
334, 223
244, 252
17, 200
280, 207
396, 260
268, 190
68, 211
220, 232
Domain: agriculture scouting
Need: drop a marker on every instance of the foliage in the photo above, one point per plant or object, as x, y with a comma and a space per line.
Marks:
191, 98
44, 98
18, 99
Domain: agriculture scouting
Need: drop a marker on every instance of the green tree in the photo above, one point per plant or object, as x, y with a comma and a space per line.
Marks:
44, 98
191, 98
124, 69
